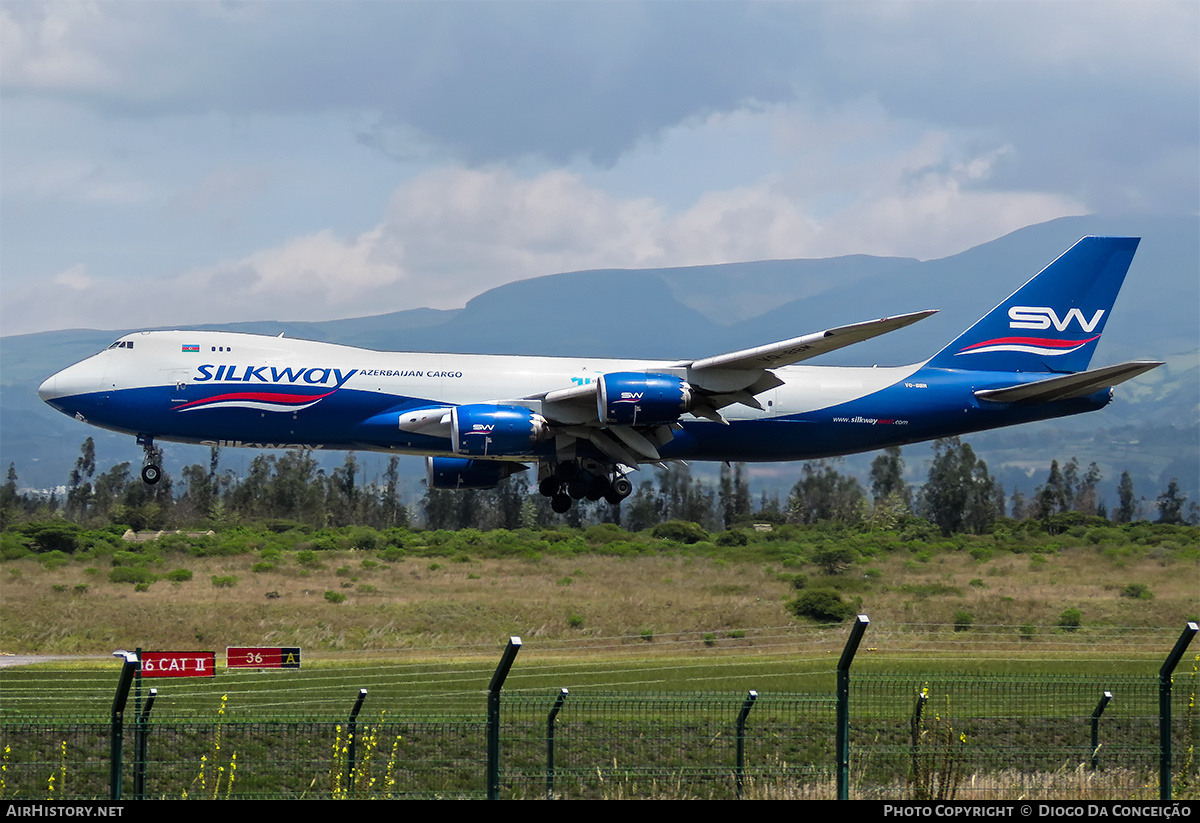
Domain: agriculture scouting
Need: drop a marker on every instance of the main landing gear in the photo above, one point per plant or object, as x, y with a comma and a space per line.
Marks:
152, 462
570, 481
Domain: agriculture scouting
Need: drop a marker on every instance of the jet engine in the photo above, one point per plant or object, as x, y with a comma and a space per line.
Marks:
482, 430
634, 399
464, 473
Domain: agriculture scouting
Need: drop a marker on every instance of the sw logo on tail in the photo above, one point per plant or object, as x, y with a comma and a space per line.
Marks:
480, 418
1043, 317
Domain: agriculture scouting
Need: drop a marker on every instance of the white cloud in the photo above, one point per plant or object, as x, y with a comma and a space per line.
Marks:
74, 278
201, 162
58, 46
453, 232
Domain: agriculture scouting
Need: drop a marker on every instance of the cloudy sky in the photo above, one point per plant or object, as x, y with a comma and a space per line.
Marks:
210, 162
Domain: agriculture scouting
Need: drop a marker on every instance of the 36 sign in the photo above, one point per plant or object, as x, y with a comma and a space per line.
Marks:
179, 664
252, 657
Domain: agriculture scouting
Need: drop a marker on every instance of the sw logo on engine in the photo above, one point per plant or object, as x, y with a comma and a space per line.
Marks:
1043, 317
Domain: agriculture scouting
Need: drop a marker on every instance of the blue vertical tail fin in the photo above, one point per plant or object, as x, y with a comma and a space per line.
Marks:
1054, 321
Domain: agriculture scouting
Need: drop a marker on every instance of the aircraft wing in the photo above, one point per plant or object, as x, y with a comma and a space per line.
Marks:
714, 383
786, 352
705, 387
1066, 386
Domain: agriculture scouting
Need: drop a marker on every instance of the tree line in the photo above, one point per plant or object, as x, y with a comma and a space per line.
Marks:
959, 496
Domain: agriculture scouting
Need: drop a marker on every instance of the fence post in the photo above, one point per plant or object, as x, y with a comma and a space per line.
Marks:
914, 731
739, 775
141, 731
558, 704
1099, 710
352, 727
493, 717
1164, 709
842, 742
117, 723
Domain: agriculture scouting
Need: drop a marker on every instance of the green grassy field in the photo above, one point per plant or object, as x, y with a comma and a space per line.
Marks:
421, 618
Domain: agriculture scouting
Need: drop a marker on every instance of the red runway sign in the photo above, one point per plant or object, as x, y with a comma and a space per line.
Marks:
249, 657
179, 664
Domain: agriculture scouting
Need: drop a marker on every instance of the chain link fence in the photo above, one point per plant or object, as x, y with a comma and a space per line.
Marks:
911, 736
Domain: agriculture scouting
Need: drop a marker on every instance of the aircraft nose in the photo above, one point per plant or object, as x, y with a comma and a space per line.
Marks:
49, 388
81, 379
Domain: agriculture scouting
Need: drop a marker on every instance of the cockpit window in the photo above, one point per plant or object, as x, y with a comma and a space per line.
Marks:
122, 344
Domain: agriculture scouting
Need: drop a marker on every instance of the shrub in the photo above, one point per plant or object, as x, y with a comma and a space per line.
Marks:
963, 621
1138, 591
1070, 620
335, 597
13, 546
308, 558
833, 558
822, 605
733, 537
52, 535
54, 559
604, 533
680, 531
131, 574
226, 582
179, 575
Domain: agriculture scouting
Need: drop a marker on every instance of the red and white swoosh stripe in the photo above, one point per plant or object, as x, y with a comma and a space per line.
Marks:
260, 401
1028, 345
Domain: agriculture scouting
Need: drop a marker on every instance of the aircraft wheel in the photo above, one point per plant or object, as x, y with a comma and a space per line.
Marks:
560, 503
622, 487
598, 487
549, 486
577, 488
151, 474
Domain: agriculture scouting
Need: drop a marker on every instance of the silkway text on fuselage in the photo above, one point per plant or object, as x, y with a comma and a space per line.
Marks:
316, 376
272, 374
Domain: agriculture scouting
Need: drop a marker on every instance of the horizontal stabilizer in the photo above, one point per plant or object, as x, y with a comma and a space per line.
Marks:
1067, 386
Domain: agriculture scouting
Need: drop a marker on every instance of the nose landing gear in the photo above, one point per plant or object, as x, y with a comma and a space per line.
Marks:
152, 462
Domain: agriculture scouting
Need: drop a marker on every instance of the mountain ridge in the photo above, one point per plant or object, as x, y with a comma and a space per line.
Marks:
678, 312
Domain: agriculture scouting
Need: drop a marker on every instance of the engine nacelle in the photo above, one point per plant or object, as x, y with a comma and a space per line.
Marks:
634, 399
464, 473
483, 430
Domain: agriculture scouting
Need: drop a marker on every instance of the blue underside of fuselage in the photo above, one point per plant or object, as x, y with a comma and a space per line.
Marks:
930, 404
